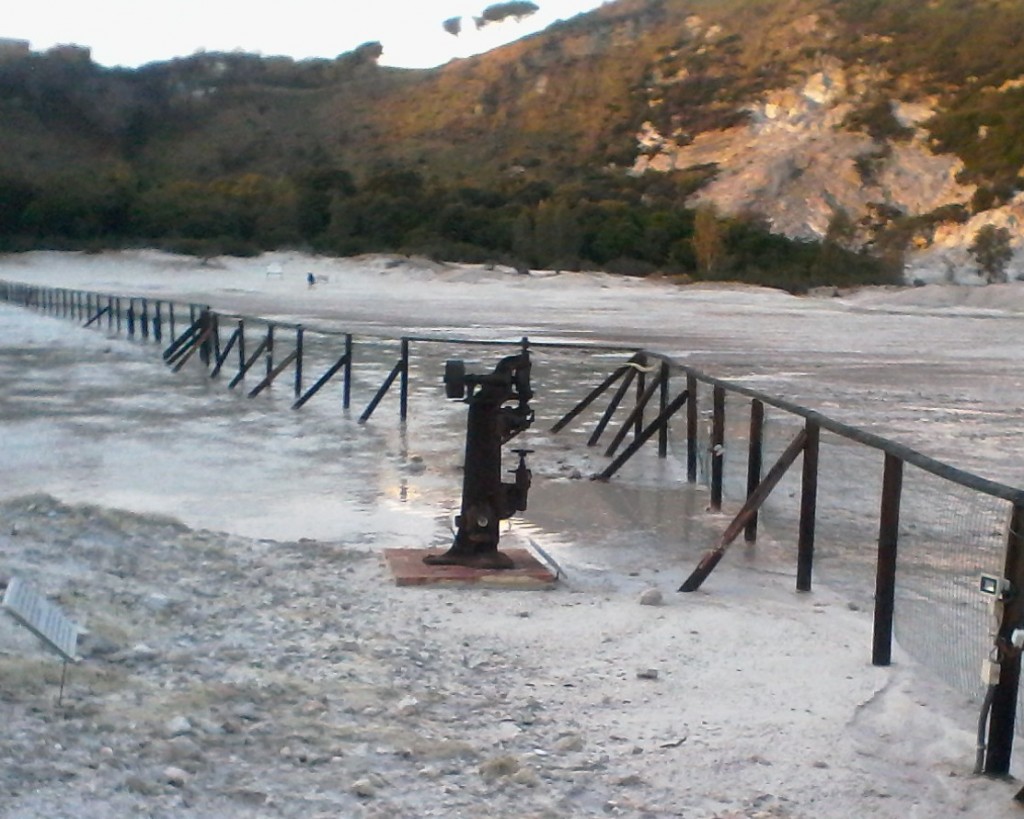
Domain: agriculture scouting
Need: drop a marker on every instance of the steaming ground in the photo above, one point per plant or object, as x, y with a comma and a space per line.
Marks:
246, 654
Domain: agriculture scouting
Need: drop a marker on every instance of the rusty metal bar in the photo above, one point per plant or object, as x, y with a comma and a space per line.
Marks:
298, 361
96, 317
717, 446
247, 364
270, 349
403, 387
636, 413
179, 342
241, 344
206, 316
757, 498
808, 508
280, 368
885, 571
590, 398
215, 337
662, 405
381, 393
225, 352
346, 390
200, 341
641, 394
612, 406
158, 320
755, 449
657, 424
327, 376
692, 429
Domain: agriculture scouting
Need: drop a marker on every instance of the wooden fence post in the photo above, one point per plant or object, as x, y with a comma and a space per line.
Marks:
1004, 702
885, 573
641, 394
346, 390
403, 388
298, 360
755, 454
692, 429
717, 446
808, 508
662, 404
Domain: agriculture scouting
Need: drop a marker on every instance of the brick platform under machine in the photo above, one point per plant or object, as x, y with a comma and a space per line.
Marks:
408, 569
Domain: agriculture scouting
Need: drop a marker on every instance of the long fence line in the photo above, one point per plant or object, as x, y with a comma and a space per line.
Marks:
643, 386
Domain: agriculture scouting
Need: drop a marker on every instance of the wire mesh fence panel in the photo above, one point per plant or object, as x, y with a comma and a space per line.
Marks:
949, 536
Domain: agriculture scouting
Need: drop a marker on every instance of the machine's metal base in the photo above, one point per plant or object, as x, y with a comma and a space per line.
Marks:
474, 560
409, 569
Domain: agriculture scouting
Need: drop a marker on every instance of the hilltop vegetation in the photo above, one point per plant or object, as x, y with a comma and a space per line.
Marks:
522, 155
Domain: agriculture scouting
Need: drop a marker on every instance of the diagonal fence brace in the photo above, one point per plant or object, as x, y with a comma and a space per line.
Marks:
224, 353
635, 413
280, 368
260, 348
327, 376
592, 396
657, 424
754, 502
185, 353
103, 311
381, 393
185, 338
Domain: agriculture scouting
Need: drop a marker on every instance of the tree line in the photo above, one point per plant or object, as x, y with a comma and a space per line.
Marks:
632, 226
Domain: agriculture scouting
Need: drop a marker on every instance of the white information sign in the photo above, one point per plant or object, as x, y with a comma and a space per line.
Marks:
43, 619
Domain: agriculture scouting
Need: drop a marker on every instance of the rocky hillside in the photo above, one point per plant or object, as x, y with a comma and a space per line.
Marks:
893, 127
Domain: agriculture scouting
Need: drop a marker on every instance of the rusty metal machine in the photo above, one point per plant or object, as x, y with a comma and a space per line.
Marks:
499, 409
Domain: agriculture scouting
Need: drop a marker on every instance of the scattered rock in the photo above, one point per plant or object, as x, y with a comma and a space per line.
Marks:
647, 674
174, 776
143, 787
499, 767
569, 742
96, 645
652, 597
526, 776
177, 726
363, 788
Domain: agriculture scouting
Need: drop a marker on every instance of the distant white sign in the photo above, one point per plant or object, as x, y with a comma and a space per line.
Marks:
43, 619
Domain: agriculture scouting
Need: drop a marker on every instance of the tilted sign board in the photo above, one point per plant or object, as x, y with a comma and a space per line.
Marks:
43, 619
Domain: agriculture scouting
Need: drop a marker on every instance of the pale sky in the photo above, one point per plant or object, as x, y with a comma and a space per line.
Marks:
134, 32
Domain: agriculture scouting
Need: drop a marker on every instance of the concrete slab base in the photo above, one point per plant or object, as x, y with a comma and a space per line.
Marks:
408, 569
